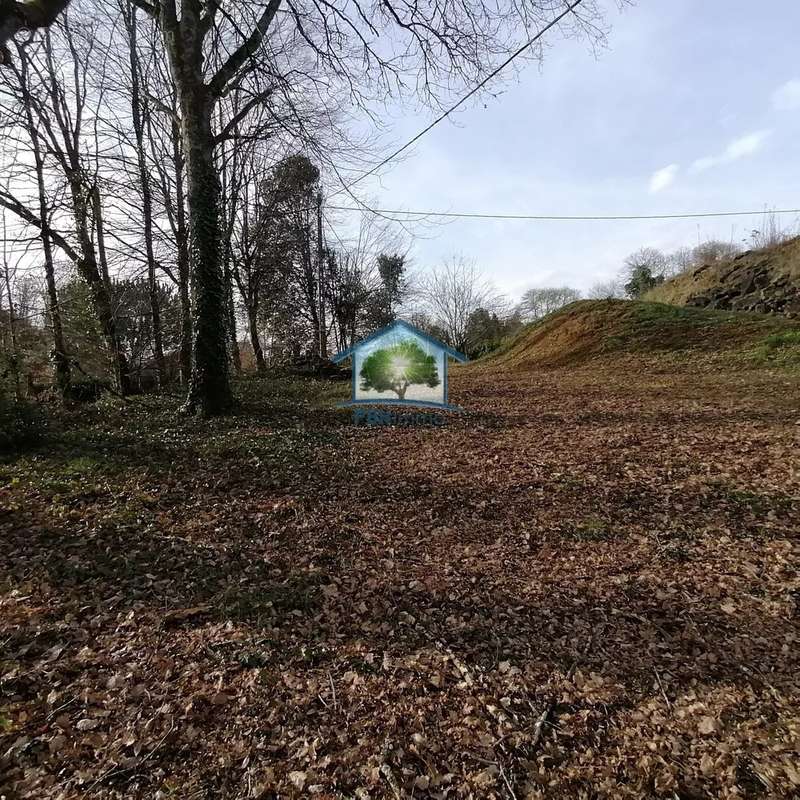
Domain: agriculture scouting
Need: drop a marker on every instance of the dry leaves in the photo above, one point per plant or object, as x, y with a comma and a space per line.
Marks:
278, 605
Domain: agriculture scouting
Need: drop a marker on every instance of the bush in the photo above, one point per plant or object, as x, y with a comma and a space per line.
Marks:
21, 423
88, 390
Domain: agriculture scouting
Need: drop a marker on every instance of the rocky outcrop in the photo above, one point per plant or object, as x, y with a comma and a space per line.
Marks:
750, 285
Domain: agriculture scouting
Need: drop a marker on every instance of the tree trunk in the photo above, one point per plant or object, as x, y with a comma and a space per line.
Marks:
255, 341
101, 234
60, 357
183, 258
323, 325
90, 271
147, 201
209, 390
230, 312
12, 327
228, 204
209, 386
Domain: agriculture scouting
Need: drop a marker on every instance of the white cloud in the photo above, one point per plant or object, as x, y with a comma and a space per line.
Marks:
744, 146
662, 178
787, 96
704, 163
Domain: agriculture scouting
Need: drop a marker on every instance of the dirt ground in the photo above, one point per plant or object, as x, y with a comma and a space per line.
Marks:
586, 586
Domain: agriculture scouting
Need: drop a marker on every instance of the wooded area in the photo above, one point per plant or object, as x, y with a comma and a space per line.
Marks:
172, 161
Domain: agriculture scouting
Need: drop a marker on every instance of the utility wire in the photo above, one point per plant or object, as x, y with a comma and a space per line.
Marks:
464, 99
569, 217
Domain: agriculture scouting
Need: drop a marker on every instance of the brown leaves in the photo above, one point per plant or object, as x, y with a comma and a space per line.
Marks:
181, 615
707, 725
381, 613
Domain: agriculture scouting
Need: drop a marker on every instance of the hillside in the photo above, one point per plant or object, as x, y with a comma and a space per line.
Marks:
591, 329
758, 280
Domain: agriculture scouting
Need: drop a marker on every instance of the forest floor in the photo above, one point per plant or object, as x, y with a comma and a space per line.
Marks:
585, 586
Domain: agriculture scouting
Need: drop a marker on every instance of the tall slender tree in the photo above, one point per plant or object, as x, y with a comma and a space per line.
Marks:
140, 110
60, 357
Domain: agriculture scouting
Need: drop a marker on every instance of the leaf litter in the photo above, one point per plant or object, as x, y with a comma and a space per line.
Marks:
586, 586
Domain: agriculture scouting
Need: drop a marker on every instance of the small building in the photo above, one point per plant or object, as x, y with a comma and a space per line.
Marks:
400, 364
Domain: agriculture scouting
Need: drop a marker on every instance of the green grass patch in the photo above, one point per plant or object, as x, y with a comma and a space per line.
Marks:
591, 529
780, 349
256, 606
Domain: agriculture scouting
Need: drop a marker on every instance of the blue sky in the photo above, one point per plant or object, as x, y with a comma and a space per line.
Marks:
694, 106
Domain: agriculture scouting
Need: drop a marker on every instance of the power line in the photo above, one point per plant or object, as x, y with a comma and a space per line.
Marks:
464, 99
569, 217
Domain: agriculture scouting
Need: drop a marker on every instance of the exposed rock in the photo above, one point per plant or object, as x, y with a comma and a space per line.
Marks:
751, 287
765, 280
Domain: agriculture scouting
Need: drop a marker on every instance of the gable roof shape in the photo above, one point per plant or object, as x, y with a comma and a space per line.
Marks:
400, 323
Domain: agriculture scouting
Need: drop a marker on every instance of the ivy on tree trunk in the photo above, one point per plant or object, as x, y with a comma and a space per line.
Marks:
209, 388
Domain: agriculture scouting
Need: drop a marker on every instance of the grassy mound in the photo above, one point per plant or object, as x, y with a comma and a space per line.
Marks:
592, 328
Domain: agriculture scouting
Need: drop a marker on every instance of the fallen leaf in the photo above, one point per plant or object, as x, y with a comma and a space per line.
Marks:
707, 725
298, 779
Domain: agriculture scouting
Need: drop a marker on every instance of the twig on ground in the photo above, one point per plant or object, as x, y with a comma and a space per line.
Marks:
333, 691
122, 770
538, 728
507, 782
55, 711
386, 771
661, 686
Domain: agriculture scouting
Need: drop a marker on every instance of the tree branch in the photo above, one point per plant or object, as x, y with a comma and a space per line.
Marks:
149, 8
10, 202
242, 113
15, 17
249, 46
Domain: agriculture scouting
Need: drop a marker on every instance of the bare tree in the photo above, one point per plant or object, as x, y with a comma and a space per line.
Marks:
680, 261
538, 303
15, 359
56, 91
348, 290
358, 295
186, 33
450, 294
258, 256
140, 112
165, 159
650, 257
60, 357
714, 251
607, 290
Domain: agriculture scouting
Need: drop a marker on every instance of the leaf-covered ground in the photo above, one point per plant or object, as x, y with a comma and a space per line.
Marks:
586, 586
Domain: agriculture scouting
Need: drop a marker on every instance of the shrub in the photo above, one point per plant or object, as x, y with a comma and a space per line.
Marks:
87, 390
21, 423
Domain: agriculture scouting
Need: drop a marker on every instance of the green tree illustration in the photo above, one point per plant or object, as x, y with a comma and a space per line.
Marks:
395, 368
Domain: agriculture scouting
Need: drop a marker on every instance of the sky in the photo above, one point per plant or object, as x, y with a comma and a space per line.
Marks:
692, 107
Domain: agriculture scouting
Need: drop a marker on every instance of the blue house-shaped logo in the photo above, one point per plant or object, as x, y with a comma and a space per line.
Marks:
400, 365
